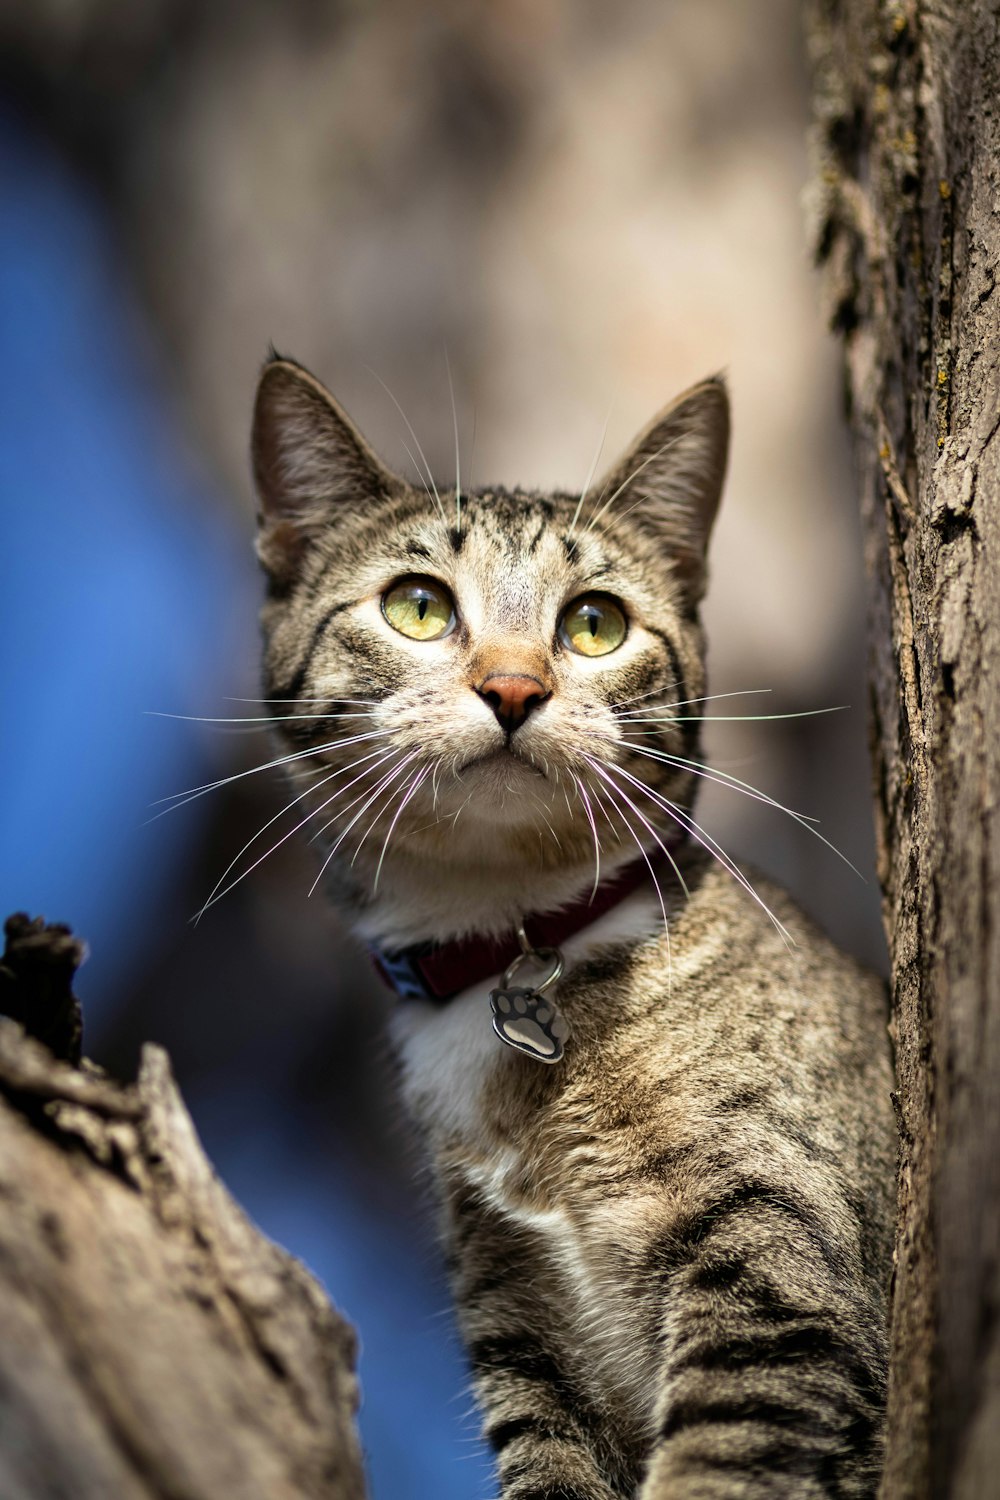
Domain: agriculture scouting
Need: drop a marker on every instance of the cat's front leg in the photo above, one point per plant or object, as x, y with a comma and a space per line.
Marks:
774, 1367
544, 1434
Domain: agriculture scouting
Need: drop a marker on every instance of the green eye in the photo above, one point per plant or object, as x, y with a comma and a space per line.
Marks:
419, 608
593, 625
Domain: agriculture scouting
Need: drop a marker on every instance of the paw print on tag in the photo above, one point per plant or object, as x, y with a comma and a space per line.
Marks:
529, 1022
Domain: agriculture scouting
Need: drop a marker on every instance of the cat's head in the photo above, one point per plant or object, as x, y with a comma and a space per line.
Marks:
482, 693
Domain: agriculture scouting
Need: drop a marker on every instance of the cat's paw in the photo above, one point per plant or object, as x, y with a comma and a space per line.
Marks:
529, 1022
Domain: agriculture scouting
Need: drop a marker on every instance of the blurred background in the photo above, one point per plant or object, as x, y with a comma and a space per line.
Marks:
588, 207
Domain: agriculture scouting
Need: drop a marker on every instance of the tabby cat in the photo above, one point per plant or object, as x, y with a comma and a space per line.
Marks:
658, 1104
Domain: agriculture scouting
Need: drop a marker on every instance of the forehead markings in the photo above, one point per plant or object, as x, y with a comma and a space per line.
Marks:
531, 544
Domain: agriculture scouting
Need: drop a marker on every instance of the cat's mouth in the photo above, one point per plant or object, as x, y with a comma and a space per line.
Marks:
500, 760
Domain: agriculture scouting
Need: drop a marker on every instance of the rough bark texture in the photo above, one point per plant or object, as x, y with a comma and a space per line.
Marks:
152, 1342
907, 222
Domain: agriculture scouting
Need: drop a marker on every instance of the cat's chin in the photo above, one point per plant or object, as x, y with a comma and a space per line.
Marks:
501, 787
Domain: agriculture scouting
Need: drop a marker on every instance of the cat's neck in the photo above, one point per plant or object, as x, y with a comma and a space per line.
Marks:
418, 900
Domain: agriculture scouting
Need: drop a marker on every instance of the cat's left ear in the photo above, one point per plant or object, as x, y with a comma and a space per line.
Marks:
671, 478
308, 458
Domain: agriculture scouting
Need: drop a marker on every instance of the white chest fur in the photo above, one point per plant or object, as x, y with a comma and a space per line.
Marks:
449, 1051
449, 1054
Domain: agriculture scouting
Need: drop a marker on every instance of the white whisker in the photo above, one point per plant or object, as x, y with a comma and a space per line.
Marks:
591, 471
413, 788
644, 716
330, 698
733, 783
604, 774
585, 800
472, 455
416, 440
458, 469
684, 702
392, 755
216, 894
156, 713
386, 780
602, 510
548, 825
649, 863
597, 794
416, 467
686, 821
181, 799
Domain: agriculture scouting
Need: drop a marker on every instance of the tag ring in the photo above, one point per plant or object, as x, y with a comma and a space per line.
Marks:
544, 955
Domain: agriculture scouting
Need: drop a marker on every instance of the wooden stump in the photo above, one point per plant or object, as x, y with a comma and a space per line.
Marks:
152, 1341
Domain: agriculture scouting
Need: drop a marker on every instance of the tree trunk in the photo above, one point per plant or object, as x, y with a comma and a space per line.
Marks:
907, 225
153, 1345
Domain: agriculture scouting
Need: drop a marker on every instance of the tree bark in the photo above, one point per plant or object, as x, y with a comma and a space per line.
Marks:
907, 225
153, 1344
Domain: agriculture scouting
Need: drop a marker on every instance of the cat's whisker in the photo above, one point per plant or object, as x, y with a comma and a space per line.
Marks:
685, 702
589, 811
416, 467
384, 785
687, 821
392, 755
712, 773
472, 455
611, 790
714, 847
157, 713
461, 809
458, 466
638, 697
596, 792
591, 471
416, 440
363, 702
181, 799
733, 783
648, 717
602, 510
216, 894
380, 786
301, 824
412, 788
548, 825
410, 833
609, 768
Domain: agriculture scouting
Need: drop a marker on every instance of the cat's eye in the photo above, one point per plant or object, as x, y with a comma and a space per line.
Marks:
419, 608
593, 625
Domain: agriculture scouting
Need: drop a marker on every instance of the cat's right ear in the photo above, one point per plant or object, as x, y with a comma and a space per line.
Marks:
671, 478
308, 458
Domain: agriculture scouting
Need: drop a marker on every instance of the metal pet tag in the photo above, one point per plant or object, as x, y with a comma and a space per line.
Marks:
529, 1023
523, 1016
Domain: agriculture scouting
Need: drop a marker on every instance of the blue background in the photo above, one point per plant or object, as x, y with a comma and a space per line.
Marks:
127, 591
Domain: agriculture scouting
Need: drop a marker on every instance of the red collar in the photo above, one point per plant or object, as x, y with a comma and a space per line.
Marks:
439, 971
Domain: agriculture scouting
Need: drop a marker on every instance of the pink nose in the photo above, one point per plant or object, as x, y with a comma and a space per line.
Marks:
513, 698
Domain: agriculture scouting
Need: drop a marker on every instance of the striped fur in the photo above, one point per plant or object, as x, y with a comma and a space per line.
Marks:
670, 1252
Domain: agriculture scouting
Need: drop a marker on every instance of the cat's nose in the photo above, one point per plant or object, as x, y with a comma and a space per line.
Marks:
512, 698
